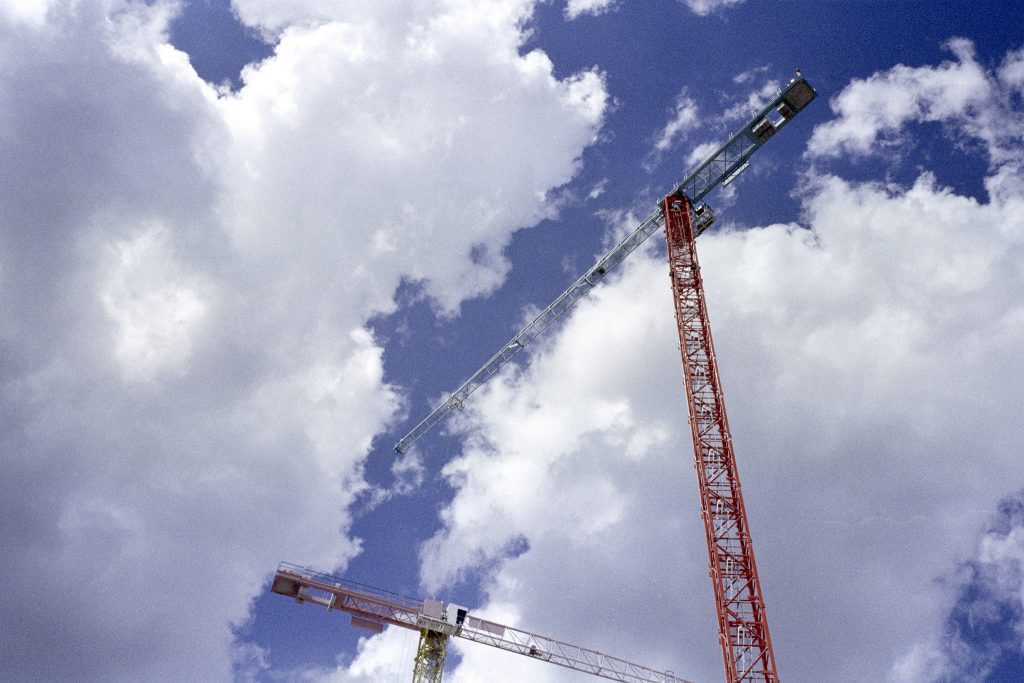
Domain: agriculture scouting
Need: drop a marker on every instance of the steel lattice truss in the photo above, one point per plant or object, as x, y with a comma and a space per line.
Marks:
371, 608
720, 167
564, 302
743, 627
564, 654
430, 656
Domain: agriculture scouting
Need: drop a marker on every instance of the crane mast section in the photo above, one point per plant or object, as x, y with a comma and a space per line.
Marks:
743, 625
430, 656
721, 166
372, 608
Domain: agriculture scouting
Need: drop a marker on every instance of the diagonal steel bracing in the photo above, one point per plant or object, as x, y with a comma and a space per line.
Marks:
743, 627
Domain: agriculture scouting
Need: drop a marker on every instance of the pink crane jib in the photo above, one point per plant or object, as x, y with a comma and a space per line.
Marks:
371, 609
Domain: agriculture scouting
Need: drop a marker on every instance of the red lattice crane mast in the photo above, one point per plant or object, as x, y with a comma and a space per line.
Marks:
743, 626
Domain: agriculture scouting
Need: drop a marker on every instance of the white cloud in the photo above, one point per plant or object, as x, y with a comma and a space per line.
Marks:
577, 8
189, 387
745, 110
1005, 552
156, 308
869, 360
873, 113
984, 627
388, 656
750, 74
1011, 71
706, 7
700, 153
32, 12
412, 107
683, 120
922, 663
274, 16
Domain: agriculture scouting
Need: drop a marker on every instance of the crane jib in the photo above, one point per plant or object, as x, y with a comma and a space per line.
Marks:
372, 609
722, 165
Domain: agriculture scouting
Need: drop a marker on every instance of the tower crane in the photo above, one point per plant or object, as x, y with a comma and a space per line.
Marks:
372, 609
720, 167
742, 623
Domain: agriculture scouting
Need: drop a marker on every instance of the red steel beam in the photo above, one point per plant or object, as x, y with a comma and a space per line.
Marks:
742, 623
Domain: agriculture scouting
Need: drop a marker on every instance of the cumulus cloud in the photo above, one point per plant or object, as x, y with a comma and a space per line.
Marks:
683, 120
750, 74
985, 627
745, 109
740, 109
577, 8
414, 108
1011, 71
186, 277
156, 308
700, 153
706, 7
873, 113
384, 657
273, 17
869, 358
598, 189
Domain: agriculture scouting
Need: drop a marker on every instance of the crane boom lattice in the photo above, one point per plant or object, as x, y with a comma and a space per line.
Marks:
743, 626
722, 165
371, 609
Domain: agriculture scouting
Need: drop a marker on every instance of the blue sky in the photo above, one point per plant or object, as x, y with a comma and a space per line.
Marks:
244, 246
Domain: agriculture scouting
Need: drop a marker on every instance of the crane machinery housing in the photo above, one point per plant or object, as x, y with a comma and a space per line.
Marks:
371, 609
742, 622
